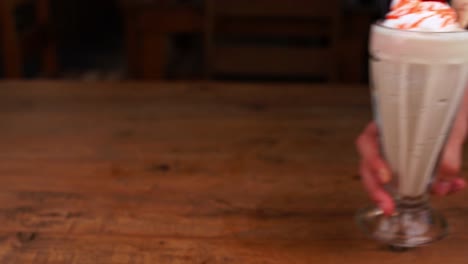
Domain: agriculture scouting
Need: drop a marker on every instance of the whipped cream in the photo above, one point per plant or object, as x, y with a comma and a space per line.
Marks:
422, 16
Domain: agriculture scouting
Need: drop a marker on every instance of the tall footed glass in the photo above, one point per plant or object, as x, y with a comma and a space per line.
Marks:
418, 80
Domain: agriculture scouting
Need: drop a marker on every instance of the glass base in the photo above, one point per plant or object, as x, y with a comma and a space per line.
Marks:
410, 226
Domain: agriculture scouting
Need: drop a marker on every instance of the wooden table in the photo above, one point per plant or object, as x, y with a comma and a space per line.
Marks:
190, 173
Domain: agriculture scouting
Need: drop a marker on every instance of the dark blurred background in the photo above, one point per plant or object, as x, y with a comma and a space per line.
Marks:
241, 40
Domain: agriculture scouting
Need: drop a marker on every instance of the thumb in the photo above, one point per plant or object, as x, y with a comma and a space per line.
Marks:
461, 7
450, 163
451, 159
447, 180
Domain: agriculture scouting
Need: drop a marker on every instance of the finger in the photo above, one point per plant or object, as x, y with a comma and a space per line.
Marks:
375, 190
461, 7
379, 169
459, 184
369, 150
447, 179
446, 187
367, 142
451, 160
448, 171
442, 188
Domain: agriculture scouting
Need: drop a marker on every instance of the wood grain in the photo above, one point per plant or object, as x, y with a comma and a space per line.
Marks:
190, 173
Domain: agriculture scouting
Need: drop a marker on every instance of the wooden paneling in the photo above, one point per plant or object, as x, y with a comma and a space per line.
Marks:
285, 19
149, 26
275, 8
310, 20
154, 56
37, 40
273, 27
267, 60
167, 20
353, 46
11, 51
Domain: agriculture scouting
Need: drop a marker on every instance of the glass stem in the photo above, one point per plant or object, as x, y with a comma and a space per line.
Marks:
406, 204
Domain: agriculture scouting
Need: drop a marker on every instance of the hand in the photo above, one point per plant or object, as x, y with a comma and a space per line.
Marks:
375, 172
461, 7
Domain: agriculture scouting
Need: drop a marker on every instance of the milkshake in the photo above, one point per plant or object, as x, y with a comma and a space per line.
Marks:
419, 71
418, 80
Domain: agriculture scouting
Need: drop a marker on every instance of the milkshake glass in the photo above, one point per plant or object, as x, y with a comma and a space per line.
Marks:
418, 81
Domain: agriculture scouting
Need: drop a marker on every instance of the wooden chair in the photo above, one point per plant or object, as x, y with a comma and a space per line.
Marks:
308, 32
149, 25
19, 45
